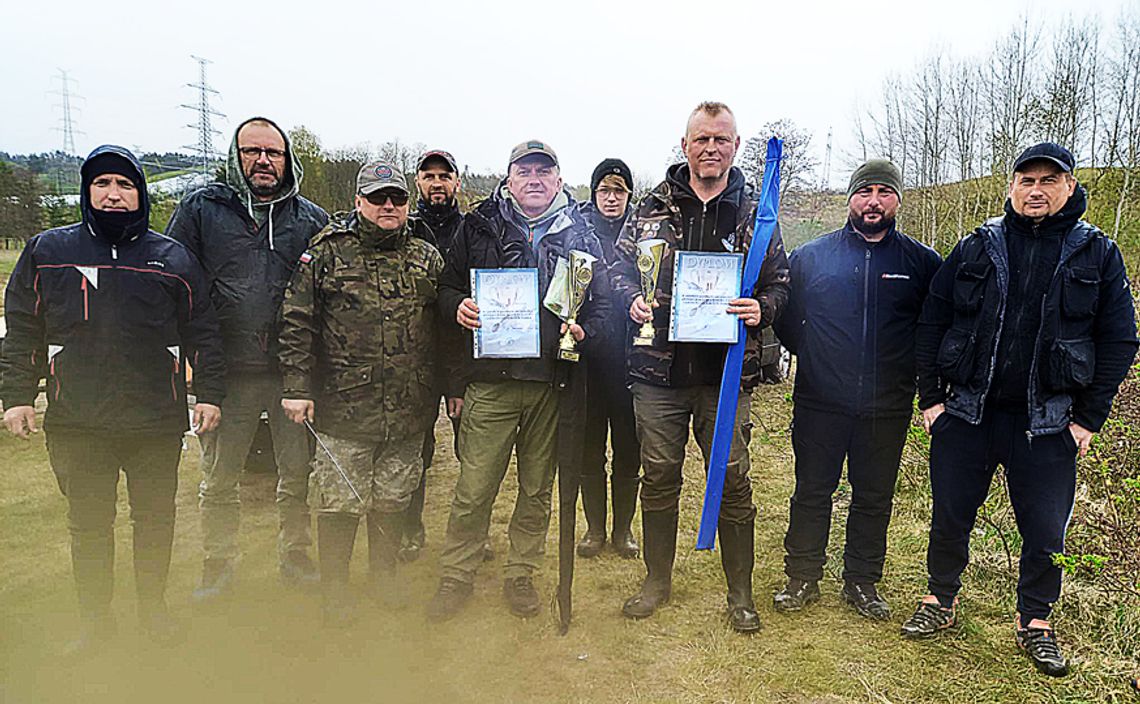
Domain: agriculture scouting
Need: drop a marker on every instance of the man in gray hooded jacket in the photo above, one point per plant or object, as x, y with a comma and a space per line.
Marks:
249, 232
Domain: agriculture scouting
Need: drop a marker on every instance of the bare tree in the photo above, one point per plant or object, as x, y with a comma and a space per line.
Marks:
1009, 91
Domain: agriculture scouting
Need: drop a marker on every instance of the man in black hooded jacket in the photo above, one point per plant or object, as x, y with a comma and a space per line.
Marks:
249, 232
609, 404
1023, 341
110, 312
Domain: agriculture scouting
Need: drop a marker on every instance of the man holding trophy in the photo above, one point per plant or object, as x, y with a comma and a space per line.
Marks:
520, 267
678, 259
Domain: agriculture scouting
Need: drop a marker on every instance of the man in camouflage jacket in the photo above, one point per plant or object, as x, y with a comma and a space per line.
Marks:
357, 356
703, 205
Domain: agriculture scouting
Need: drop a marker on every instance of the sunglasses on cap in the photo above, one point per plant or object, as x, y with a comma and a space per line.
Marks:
398, 198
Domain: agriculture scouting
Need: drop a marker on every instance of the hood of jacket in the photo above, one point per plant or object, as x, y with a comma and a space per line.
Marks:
133, 226
290, 181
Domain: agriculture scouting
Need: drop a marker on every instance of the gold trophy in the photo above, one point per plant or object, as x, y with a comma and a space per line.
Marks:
649, 254
580, 273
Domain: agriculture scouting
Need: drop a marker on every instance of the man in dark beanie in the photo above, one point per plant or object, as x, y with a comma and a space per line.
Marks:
249, 230
438, 183
1024, 339
110, 312
610, 405
851, 318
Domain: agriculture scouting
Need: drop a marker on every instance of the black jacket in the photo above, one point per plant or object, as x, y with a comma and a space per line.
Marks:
111, 325
248, 265
444, 222
1082, 347
491, 238
851, 320
618, 325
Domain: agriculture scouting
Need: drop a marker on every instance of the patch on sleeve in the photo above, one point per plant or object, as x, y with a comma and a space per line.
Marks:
306, 257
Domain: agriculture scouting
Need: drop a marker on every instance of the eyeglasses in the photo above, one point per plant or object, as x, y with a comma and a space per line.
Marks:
380, 197
256, 152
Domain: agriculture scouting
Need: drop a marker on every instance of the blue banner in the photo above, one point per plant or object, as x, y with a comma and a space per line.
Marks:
762, 229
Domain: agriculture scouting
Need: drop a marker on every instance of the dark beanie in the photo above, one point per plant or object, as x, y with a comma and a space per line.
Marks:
111, 163
880, 171
607, 167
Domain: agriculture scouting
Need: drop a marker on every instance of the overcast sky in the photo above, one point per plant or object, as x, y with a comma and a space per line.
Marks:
592, 78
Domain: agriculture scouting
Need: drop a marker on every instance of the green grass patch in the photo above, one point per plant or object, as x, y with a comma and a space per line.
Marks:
269, 645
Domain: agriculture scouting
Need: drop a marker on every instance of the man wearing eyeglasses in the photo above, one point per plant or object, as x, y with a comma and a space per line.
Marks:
358, 338
248, 231
535, 406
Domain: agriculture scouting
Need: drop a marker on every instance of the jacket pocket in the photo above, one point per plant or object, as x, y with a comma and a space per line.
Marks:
970, 285
1080, 291
347, 379
956, 355
1071, 365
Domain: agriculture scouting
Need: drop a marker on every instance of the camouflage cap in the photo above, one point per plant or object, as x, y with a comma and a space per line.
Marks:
532, 146
379, 174
445, 156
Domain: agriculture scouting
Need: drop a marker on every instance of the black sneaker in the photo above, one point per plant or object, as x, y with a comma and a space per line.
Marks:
521, 596
865, 599
591, 544
797, 594
298, 571
1041, 646
449, 599
929, 619
411, 548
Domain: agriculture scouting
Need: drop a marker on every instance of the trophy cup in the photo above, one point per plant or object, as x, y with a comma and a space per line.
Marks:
649, 254
580, 272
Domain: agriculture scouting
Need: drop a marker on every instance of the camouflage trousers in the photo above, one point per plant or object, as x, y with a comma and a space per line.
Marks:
224, 452
384, 474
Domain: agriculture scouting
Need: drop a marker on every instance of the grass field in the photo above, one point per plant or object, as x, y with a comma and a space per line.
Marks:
270, 647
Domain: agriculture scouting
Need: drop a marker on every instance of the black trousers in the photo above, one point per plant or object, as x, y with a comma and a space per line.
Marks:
872, 447
413, 525
610, 405
87, 468
1042, 477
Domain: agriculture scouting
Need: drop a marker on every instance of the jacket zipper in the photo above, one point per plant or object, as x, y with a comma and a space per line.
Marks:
866, 304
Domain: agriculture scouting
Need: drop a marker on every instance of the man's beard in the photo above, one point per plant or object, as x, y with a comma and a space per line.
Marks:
263, 191
444, 204
885, 223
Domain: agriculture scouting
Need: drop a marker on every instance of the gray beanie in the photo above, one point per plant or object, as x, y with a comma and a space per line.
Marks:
880, 171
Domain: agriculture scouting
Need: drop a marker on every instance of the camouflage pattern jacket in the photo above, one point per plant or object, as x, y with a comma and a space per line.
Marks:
658, 215
359, 328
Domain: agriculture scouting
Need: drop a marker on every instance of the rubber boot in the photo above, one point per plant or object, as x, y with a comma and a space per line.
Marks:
737, 542
659, 531
625, 504
152, 544
383, 546
336, 534
594, 506
93, 566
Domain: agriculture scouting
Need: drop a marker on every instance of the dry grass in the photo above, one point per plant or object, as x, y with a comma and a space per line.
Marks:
270, 647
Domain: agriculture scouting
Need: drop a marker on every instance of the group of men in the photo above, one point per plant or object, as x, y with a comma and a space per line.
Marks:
347, 331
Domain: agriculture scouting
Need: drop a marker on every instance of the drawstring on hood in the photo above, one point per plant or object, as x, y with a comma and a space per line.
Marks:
113, 226
290, 184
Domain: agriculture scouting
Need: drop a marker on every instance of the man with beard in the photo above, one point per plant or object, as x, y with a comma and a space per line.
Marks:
702, 205
1026, 334
534, 406
110, 312
851, 318
248, 231
437, 180
610, 403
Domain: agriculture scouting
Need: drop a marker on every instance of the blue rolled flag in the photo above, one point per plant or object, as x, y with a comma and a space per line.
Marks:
762, 229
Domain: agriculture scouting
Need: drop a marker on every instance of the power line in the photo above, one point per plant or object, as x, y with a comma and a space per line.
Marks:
204, 151
65, 177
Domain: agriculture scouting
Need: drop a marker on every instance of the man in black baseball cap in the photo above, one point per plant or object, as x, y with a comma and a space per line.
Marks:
1024, 339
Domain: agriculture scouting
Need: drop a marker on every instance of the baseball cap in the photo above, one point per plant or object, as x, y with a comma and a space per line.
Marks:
379, 174
532, 146
1047, 151
437, 154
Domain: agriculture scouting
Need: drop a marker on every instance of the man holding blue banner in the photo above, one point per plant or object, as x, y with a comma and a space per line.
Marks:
702, 206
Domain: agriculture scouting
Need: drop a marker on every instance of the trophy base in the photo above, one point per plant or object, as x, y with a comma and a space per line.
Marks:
643, 342
568, 355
